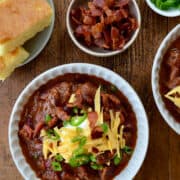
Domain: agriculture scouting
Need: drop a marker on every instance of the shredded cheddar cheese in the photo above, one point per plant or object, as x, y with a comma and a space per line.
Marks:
111, 140
174, 96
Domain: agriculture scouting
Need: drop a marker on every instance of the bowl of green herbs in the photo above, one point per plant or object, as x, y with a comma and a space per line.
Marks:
168, 8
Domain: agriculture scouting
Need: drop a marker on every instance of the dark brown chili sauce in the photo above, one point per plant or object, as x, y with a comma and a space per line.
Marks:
170, 76
56, 93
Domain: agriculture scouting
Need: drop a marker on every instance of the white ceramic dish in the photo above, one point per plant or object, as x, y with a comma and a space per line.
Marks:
168, 13
172, 36
35, 45
142, 123
95, 51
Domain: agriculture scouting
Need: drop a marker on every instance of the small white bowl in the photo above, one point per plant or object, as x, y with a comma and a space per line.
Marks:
166, 13
96, 51
35, 45
142, 123
170, 38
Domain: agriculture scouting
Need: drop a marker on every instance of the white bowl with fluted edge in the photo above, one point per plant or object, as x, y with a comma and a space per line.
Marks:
142, 122
35, 45
169, 39
166, 13
96, 51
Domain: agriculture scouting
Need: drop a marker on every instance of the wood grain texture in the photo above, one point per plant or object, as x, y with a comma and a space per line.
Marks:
163, 156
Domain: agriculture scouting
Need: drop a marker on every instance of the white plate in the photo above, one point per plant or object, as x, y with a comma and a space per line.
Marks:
142, 123
95, 51
172, 36
166, 13
35, 45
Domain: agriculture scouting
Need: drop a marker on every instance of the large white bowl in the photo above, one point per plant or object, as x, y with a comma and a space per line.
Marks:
96, 51
35, 45
166, 13
142, 123
172, 36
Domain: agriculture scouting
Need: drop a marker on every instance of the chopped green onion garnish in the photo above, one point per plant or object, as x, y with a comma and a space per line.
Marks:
78, 151
48, 118
56, 166
77, 120
59, 158
117, 160
128, 150
75, 110
166, 4
105, 127
81, 139
92, 158
96, 166
79, 160
79, 130
65, 123
53, 134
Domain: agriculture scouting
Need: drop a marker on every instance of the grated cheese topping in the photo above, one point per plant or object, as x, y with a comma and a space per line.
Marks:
174, 96
112, 140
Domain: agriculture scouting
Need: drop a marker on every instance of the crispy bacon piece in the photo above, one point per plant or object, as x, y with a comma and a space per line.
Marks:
107, 24
121, 3
92, 117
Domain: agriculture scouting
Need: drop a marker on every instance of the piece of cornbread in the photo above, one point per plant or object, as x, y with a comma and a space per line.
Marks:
11, 60
20, 20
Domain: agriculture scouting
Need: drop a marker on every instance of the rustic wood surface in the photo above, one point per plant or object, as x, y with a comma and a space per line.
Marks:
163, 157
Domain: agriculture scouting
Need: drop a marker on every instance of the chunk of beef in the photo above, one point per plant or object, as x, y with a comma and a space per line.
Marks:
50, 175
109, 99
103, 173
174, 58
26, 133
53, 122
97, 132
61, 114
68, 176
105, 157
81, 173
175, 82
59, 94
175, 72
38, 128
88, 91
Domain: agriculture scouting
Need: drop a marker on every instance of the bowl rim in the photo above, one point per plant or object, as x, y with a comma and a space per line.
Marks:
45, 40
172, 13
101, 54
155, 78
142, 121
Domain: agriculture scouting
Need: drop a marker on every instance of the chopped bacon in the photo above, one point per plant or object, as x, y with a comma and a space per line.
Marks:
107, 24
97, 30
95, 12
121, 3
92, 117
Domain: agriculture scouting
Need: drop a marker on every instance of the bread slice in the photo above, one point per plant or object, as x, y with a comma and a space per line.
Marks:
11, 60
20, 20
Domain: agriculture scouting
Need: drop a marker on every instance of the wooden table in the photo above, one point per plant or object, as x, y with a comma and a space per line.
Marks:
163, 157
